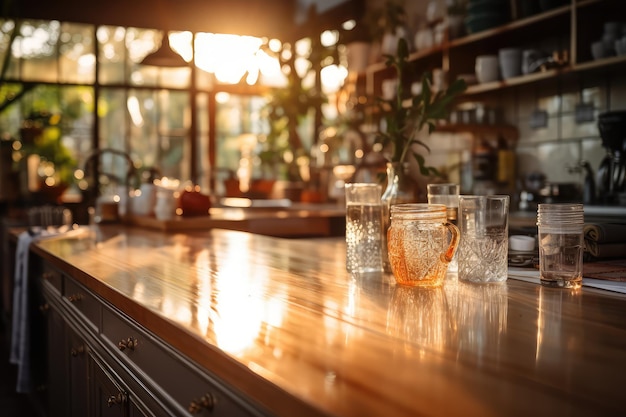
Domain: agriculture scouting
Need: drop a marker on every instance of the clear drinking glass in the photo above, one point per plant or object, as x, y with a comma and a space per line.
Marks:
561, 247
364, 227
448, 195
484, 225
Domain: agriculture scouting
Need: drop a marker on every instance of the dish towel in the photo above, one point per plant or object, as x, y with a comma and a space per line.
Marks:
20, 325
605, 240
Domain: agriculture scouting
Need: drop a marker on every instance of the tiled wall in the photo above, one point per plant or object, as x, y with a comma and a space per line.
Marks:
563, 142
554, 149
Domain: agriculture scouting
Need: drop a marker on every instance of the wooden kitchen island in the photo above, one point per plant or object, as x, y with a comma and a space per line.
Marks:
227, 323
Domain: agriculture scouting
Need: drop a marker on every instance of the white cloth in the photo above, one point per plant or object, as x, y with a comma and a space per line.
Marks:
20, 328
20, 323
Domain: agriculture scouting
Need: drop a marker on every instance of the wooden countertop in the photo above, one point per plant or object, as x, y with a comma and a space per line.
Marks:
281, 320
298, 220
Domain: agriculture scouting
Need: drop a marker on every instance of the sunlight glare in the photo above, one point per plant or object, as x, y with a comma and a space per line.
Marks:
134, 109
226, 56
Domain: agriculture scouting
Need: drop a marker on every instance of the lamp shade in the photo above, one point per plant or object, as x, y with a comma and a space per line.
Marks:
164, 56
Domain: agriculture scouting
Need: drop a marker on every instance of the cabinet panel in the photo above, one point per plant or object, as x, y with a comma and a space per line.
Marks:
83, 301
78, 377
108, 398
54, 277
176, 378
57, 379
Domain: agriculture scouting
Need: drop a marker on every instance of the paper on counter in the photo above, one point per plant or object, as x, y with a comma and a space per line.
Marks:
532, 275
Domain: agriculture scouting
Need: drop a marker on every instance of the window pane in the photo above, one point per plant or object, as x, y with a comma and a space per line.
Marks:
159, 129
6, 29
174, 158
113, 129
56, 123
111, 54
77, 54
37, 48
236, 116
202, 141
11, 116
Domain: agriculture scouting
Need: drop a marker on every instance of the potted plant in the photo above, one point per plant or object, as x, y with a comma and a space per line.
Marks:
283, 151
41, 137
405, 116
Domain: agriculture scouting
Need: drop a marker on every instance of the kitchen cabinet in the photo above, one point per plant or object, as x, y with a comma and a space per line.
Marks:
270, 326
568, 31
100, 363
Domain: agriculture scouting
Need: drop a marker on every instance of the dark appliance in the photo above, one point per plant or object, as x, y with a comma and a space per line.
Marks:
611, 175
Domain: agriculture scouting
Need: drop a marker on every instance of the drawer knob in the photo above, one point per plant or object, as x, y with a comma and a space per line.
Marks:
120, 398
44, 307
129, 343
206, 402
47, 275
77, 351
74, 297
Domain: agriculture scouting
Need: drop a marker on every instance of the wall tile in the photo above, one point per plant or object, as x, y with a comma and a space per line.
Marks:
530, 135
550, 99
556, 158
593, 152
527, 160
571, 129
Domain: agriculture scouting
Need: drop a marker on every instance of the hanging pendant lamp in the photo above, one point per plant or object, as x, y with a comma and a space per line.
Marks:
164, 56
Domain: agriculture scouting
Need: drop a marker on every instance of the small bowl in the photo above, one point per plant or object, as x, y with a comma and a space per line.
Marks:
521, 243
482, 21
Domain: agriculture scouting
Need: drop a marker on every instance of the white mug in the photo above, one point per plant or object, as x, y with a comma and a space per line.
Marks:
487, 68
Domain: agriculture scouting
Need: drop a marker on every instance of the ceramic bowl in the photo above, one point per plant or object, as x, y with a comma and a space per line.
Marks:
482, 21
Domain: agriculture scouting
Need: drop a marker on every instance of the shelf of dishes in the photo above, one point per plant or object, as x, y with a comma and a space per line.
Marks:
600, 44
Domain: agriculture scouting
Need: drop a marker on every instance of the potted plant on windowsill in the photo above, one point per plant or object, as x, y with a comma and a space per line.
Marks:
41, 139
292, 112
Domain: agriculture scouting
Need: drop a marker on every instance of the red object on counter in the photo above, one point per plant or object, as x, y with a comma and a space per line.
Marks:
194, 203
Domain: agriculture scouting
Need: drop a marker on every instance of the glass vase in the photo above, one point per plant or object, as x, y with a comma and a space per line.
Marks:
401, 188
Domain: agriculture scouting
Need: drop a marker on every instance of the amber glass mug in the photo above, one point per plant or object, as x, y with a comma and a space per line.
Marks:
421, 243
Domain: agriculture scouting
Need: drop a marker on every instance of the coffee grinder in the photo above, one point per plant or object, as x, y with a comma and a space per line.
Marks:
611, 175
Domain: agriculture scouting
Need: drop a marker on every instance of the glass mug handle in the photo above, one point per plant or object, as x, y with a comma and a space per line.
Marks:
454, 242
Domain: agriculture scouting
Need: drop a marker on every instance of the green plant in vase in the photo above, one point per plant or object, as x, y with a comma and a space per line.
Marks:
406, 116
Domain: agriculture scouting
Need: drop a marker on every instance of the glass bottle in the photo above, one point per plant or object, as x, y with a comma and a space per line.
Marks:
401, 188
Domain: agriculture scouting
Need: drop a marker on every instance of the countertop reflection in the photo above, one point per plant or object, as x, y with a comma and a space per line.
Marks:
293, 330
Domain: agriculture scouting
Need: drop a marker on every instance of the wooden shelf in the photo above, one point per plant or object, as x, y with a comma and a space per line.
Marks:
561, 22
511, 26
508, 131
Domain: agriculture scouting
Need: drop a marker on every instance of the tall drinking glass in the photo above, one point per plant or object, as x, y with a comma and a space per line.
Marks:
364, 228
448, 195
484, 225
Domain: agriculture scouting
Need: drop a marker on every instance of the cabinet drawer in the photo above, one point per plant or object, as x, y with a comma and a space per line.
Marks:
53, 276
175, 378
83, 301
